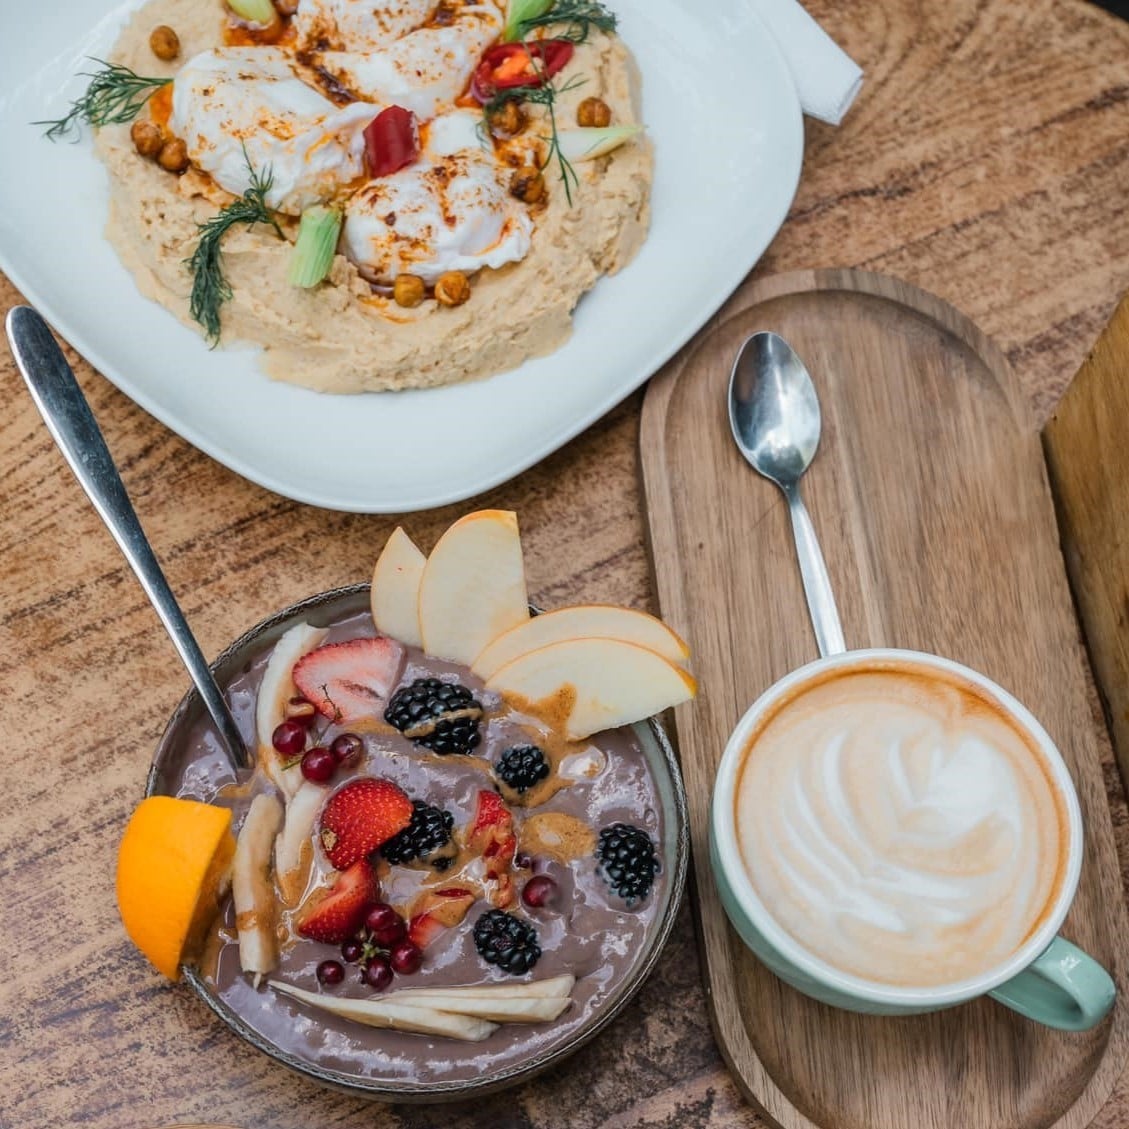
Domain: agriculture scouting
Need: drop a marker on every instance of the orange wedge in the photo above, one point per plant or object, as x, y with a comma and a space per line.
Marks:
173, 862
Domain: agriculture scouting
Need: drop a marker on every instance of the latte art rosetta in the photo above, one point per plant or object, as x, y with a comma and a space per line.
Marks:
900, 827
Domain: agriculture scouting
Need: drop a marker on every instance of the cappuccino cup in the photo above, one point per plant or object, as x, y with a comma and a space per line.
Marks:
893, 833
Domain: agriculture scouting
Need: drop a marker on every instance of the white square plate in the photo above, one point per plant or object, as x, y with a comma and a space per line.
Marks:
722, 112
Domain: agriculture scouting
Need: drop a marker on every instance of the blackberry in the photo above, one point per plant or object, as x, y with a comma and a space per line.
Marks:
429, 830
628, 860
441, 716
521, 767
506, 941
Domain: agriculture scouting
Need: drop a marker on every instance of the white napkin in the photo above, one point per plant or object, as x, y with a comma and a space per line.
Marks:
826, 77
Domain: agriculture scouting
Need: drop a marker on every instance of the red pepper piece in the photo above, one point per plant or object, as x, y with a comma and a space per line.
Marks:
391, 141
509, 65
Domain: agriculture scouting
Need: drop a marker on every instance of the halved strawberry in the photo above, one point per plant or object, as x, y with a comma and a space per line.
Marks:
491, 835
360, 817
437, 910
349, 681
341, 910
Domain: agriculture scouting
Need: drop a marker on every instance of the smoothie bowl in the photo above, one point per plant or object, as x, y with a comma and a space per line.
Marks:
445, 873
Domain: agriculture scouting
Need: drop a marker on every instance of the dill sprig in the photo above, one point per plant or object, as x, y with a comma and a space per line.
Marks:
544, 95
578, 16
115, 95
210, 288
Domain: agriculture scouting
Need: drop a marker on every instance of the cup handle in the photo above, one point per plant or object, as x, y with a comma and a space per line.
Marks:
1062, 987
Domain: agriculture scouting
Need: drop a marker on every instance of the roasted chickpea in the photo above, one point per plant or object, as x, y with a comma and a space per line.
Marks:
173, 156
593, 112
408, 290
164, 42
528, 185
452, 288
148, 138
508, 120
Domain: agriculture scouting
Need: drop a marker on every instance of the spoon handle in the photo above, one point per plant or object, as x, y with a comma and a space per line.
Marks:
817, 585
60, 401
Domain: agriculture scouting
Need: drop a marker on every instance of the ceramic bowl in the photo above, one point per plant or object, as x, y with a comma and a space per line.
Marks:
164, 779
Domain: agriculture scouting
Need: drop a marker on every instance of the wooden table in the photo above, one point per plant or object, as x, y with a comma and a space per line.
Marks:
986, 160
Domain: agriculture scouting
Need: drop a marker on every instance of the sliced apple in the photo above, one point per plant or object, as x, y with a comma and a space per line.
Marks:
275, 691
252, 890
381, 1013
294, 847
395, 589
473, 586
588, 685
586, 143
553, 987
585, 621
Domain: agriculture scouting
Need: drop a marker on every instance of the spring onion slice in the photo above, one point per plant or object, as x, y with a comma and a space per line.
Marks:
518, 13
586, 143
254, 11
315, 247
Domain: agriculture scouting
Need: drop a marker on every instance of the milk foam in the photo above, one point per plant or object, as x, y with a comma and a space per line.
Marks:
900, 827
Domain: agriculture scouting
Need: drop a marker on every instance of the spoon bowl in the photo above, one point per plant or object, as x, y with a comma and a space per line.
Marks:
773, 409
774, 415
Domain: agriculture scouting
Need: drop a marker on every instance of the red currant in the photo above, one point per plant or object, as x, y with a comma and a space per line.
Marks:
378, 973
352, 951
539, 891
289, 739
347, 748
405, 958
330, 972
385, 925
319, 765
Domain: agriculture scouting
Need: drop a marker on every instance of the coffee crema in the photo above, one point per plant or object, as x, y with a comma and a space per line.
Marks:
900, 825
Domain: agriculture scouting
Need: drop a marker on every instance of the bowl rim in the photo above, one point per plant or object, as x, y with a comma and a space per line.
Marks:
675, 814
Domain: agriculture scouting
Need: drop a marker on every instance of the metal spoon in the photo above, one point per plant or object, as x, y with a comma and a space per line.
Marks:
60, 401
774, 414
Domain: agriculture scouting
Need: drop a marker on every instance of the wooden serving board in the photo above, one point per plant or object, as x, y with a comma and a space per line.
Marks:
930, 497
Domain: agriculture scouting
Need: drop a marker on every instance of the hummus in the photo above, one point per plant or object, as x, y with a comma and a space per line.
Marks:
343, 335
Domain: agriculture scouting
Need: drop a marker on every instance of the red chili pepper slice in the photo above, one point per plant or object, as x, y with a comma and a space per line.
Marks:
509, 65
391, 141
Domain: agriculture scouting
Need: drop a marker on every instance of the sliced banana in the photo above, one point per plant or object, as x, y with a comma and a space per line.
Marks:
519, 1009
251, 887
381, 1013
294, 847
275, 692
553, 987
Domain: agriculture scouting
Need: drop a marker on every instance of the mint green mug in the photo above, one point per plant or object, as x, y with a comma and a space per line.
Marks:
1046, 978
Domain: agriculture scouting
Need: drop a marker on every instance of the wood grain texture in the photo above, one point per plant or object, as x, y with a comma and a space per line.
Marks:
985, 160
931, 501
1087, 447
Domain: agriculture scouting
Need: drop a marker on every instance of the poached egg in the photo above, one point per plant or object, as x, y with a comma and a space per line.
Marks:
244, 108
356, 25
448, 211
424, 70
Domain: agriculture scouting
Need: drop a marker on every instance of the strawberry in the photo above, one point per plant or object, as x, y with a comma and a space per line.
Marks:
360, 817
441, 909
349, 681
492, 836
340, 912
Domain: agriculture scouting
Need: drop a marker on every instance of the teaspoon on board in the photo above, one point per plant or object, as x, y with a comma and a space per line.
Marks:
774, 414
